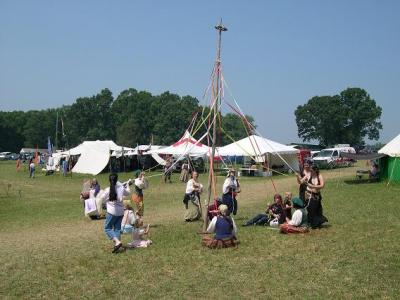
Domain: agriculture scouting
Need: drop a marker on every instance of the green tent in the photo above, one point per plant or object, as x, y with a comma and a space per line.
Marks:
390, 164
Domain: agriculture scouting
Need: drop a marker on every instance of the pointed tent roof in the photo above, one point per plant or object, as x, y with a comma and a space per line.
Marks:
255, 145
392, 148
187, 145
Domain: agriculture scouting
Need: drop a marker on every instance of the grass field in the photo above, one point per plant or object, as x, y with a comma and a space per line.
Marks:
50, 250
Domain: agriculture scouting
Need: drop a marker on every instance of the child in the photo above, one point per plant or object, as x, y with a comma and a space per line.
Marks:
129, 218
138, 233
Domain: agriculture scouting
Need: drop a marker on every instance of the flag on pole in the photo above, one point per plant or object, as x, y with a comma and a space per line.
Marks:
49, 146
62, 127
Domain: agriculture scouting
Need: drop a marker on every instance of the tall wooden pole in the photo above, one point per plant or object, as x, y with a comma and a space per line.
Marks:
215, 110
56, 137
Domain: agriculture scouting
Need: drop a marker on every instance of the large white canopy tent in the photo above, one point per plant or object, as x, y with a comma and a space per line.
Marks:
94, 156
259, 148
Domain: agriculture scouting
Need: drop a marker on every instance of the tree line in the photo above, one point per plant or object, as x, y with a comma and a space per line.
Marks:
138, 117
132, 118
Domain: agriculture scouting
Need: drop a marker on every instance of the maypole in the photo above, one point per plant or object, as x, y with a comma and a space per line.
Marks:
217, 99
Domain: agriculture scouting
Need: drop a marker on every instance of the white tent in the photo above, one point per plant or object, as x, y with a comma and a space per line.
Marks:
147, 150
259, 148
142, 149
94, 156
392, 148
187, 145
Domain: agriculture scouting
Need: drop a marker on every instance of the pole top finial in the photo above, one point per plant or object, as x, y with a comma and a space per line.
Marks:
221, 27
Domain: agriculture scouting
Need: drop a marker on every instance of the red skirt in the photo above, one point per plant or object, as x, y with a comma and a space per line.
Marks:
212, 243
286, 228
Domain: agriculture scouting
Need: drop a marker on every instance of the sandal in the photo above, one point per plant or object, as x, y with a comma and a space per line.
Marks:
116, 248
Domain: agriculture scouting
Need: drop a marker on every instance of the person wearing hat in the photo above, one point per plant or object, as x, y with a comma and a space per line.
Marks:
299, 219
140, 184
224, 228
230, 189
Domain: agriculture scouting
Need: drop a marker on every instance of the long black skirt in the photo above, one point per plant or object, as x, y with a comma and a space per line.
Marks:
314, 209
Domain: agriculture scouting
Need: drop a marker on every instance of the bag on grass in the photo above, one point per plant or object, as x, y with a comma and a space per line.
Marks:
90, 207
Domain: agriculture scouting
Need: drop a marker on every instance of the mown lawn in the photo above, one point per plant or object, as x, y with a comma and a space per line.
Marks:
50, 250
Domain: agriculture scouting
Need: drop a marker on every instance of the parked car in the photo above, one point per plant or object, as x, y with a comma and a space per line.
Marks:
13, 156
4, 155
332, 158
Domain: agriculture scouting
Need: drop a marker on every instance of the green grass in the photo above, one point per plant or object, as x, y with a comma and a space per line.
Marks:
50, 250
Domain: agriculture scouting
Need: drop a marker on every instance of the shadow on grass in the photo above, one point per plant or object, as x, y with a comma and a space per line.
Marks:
359, 181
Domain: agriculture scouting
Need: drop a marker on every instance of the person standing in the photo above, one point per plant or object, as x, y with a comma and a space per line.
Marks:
192, 198
31, 169
141, 183
168, 169
302, 178
230, 189
18, 164
115, 210
184, 172
313, 193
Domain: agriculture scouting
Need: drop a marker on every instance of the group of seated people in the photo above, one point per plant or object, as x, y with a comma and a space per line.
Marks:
279, 215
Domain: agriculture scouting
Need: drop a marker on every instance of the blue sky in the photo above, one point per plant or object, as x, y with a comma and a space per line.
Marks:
276, 54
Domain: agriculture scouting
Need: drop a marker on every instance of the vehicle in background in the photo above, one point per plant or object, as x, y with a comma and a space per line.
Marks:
12, 156
302, 155
314, 153
331, 158
4, 155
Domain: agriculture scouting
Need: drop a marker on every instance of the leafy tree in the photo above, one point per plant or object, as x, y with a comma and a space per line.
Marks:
171, 115
236, 127
90, 118
362, 115
131, 115
38, 127
344, 118
135, 117
11, 130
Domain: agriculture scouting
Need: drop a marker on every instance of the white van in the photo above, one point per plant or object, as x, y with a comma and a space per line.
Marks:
332, 158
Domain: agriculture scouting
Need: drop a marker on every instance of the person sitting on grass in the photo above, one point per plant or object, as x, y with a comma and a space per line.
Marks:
299, 219
129, 218
274, 214
374, 172
224, 228
95, 187
287, 204
138, 235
